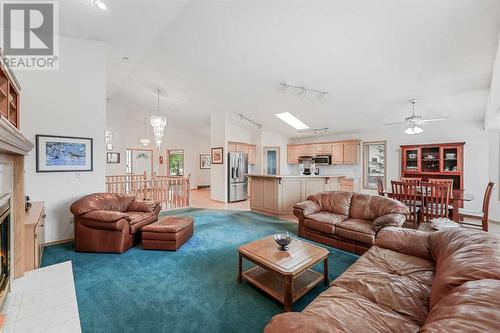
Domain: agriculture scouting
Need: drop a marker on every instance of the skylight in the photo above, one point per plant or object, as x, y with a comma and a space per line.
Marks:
291, 120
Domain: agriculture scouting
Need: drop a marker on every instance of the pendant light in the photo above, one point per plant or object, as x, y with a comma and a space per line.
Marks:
144, 140
158, 123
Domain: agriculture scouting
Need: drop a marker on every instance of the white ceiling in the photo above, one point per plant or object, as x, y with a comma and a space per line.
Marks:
372, 56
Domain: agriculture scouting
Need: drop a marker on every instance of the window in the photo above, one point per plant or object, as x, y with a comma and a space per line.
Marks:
374, 166
271, 160
176, 162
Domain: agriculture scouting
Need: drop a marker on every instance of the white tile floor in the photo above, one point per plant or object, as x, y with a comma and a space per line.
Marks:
43, 300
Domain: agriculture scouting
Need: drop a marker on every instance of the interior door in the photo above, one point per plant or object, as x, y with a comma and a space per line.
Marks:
141, 162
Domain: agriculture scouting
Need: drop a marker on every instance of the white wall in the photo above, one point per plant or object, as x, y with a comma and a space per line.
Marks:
127, 128
116, 123
476, 152
67, 102
218, 172
494, 174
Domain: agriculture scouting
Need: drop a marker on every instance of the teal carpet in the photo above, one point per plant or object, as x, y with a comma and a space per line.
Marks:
191, 290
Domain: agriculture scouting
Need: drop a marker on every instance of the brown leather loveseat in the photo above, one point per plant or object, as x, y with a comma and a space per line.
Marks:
410, 281
347, 220
109, 222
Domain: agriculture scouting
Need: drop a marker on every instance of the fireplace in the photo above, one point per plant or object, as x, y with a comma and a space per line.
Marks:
4, 244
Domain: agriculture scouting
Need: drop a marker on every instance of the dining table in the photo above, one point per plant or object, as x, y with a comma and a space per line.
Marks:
457, 198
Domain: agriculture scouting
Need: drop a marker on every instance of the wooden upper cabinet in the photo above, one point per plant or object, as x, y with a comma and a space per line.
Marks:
301, 150
351, 153
9, 98
232, 147
252, 154
292, 156
338, 153
323, 148
311, 150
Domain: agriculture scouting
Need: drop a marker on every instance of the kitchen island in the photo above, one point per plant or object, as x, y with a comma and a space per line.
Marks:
276, 194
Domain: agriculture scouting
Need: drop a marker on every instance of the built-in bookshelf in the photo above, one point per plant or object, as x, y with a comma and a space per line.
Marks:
9, 97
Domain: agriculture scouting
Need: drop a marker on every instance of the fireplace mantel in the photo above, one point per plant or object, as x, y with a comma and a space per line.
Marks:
12, 141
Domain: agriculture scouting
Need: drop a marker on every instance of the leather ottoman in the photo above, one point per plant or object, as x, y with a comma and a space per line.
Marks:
168, 233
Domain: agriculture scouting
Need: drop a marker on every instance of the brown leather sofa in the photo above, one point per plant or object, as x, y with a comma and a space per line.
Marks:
347, 220
410, 281
109, 222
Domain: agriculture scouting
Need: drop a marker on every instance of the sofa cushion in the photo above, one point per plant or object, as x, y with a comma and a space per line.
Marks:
460, 259
356, 230
337, 202
140, 219
323, 221
369, 207
351, 312
394, 280
102, 201
472, 307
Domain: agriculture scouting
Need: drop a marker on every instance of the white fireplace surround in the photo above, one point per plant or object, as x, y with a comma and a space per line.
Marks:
11, 139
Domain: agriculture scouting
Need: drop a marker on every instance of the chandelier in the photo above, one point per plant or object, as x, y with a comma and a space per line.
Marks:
158, 123
144, 140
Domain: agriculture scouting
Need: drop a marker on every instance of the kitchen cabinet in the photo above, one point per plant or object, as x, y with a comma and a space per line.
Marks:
292, 156
346, 184
301, 150
350, 153
342, 152
241, 147
338, 153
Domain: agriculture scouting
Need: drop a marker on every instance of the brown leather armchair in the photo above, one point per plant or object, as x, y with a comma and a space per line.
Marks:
109, 222
347, 220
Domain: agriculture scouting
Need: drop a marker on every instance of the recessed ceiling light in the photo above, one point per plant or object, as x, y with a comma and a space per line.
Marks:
100, 4
291, 120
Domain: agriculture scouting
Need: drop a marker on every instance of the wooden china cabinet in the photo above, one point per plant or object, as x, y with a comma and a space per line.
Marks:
438, 160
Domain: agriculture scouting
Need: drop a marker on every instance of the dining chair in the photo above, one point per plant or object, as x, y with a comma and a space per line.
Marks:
407, 193
380, 187
435, 201
443, 181
416, 180
482, 215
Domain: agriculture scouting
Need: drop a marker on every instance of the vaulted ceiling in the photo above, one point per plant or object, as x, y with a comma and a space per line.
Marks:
372, 56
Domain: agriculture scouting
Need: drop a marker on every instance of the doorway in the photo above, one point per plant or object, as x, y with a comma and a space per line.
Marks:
271, 160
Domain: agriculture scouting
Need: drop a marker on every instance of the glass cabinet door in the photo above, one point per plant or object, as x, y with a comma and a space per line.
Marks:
411, 160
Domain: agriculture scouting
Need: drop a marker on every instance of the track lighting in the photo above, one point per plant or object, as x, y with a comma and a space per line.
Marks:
305, 90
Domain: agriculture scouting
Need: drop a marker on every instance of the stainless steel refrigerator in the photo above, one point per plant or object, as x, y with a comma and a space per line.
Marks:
237, 176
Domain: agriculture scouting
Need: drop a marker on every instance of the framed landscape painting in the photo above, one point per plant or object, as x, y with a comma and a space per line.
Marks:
63, 154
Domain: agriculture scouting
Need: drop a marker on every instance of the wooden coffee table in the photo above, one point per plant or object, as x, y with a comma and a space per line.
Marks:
284, 275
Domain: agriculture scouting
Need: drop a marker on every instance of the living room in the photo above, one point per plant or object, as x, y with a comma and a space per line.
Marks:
246, 166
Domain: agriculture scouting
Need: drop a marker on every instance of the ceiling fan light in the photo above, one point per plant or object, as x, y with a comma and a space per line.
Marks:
414, 130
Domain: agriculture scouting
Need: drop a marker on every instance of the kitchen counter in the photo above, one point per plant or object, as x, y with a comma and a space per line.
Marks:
276, 194
297, 176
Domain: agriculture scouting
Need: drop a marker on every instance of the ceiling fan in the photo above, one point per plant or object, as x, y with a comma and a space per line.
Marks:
415, 120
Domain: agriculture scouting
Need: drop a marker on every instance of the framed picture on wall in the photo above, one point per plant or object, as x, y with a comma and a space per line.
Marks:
205, 161
63, 154
218, 155
113, 158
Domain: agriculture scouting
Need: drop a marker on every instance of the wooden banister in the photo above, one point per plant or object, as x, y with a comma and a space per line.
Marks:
171, 192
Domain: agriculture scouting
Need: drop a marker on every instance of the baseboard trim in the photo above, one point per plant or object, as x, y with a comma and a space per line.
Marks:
59, 242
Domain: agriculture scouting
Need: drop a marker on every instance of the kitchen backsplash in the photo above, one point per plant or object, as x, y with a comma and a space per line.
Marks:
348, 170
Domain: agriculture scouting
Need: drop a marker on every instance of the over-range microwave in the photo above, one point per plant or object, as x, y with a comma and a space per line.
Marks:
323, 160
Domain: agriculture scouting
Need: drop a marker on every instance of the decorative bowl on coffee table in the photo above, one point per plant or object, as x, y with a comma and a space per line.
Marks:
283, 239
